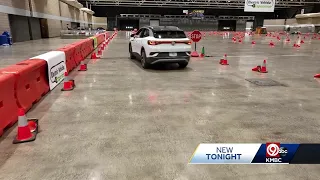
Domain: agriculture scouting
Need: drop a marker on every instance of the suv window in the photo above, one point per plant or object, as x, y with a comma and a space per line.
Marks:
139, 32
169, 34
145, 33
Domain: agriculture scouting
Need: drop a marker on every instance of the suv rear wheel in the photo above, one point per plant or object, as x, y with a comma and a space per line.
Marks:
144, 62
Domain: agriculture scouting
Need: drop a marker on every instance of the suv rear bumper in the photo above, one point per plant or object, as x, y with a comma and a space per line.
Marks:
155, 60
165, 58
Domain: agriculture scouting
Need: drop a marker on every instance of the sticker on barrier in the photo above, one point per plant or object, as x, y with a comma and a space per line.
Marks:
56, 66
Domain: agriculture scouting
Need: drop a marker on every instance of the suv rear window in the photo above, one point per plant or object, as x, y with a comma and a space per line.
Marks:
169, 34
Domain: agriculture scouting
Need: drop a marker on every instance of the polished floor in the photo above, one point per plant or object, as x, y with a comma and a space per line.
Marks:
24, 50
124, 122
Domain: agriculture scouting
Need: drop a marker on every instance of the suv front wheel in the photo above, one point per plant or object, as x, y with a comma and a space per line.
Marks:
130, 52
144, 62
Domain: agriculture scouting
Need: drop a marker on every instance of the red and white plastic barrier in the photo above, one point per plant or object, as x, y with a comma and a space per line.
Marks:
30, 81
8, 105
25, 83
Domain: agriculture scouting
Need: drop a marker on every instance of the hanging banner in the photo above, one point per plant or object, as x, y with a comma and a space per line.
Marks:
259, 5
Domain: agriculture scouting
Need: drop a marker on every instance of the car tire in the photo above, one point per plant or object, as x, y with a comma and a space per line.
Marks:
130, 52
183, 64
144, 62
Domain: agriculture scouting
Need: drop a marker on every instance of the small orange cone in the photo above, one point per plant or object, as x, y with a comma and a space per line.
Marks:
27, 129
253, 42
224, 60
317, 76
83, 66
296, 45
94, 56
68, 85
99, 52
257, 68
271, 44
264, 67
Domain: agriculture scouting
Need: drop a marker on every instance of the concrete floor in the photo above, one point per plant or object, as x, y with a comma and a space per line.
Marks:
24, 50
124, 122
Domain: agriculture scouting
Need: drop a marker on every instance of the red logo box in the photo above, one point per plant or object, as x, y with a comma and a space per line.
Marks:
272, 149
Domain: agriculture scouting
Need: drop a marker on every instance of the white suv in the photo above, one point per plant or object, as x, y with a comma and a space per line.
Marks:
160, 44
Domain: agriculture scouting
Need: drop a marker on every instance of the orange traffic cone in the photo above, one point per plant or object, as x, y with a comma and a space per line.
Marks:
253, 42
94, 56
257, 68
271, 44
83, 66
68, 85
296, 45
27, 128
224, 60
99, 52
264, 67
317, 76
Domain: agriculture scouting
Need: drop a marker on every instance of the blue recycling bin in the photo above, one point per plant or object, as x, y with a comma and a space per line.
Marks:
9, 38
3, 40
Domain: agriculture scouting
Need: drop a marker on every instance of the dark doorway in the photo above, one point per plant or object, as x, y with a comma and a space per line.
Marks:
128, 24
35, 28
227, 25
19, 28
44, 28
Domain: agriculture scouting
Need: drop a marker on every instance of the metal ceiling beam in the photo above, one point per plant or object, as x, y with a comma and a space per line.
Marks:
220, 4
199, 6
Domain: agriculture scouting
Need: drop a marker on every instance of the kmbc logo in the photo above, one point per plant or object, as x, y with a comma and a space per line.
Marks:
273, 150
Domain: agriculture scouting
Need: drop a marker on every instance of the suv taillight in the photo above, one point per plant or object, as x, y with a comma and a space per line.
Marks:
152, 42
168, 42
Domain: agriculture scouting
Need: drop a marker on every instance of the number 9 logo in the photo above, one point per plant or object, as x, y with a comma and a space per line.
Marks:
273, 150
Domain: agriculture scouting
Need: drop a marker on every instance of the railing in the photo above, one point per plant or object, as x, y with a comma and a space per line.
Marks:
188, 16
79, 33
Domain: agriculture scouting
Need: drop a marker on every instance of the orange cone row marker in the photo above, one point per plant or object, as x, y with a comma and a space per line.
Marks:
27, 129
83, 66
261, 69
94, 56
224, 60
68, 85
